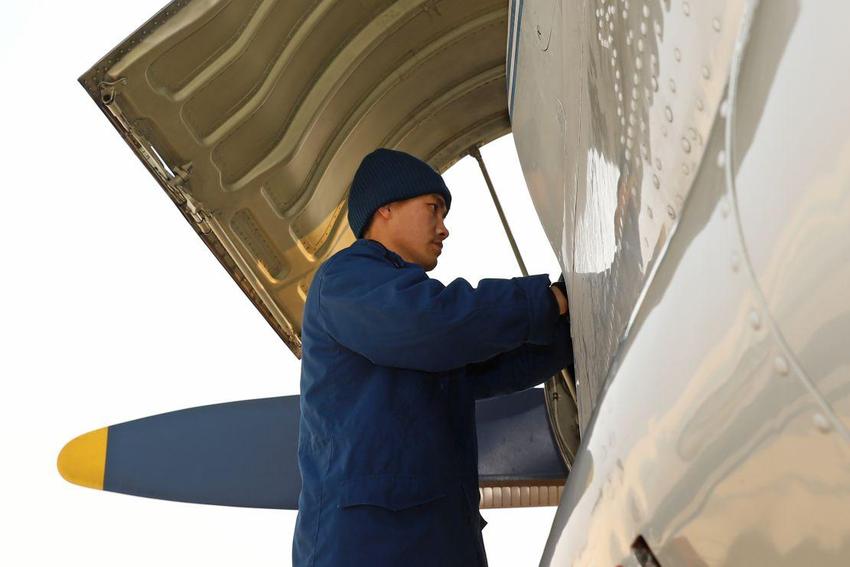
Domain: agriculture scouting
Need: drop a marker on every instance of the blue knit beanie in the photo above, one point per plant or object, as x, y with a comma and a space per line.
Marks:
385, 176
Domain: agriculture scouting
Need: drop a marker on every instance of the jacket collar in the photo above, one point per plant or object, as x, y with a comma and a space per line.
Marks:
394, 258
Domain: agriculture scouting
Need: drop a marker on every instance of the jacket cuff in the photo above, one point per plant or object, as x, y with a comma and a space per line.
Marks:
542, 308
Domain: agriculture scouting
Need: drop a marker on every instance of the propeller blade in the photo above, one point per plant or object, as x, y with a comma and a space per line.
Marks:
245, 453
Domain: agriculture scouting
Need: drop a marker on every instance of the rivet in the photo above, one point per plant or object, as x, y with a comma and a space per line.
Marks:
677, 53
715, 23
721, 158
686, 146
724, 108
645, 11
655, 181
672, 86
822, 423
755, 320
780, 365
686, 8
670, 212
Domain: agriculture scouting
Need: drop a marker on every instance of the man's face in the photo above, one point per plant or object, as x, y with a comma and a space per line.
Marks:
417, 229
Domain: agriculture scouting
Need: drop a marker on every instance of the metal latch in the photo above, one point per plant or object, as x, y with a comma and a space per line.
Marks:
641, 555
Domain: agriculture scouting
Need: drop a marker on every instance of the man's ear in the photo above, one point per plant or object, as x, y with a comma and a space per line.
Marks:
385, 211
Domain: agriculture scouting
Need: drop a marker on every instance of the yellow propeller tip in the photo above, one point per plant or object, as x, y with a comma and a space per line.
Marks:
82, 460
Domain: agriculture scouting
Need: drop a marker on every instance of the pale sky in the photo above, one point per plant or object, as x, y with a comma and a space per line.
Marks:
113, 309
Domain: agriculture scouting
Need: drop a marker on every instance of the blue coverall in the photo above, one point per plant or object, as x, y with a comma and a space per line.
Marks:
392, 364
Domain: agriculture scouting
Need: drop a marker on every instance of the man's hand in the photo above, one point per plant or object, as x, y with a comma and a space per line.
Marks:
560, 297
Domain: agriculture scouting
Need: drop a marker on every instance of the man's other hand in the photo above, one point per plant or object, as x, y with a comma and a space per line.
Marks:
561, 298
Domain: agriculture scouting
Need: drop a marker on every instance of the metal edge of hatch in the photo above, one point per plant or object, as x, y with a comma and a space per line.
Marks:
99, 90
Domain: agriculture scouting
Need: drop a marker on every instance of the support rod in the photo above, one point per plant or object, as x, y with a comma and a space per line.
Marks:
473, 151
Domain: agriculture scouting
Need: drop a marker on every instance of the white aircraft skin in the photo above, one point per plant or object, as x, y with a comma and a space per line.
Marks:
690, 162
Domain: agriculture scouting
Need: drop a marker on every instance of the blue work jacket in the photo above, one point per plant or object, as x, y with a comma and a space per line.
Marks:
392, 364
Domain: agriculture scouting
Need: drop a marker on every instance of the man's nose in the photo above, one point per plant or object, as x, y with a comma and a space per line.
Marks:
442, 230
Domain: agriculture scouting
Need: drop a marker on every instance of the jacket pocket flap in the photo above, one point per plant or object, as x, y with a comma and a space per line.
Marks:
388, 491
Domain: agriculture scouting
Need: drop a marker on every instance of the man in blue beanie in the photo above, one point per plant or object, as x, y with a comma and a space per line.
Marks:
392, 364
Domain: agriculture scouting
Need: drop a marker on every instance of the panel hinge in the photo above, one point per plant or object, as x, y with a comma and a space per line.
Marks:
199, 216
176, 185
107, 89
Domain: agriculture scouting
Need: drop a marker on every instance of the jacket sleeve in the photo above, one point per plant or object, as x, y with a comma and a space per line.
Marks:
402, 318
523, 367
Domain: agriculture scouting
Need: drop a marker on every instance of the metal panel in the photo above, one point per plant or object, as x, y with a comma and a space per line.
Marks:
790, 128
614, 101
721, 437
253, 116
706, 442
